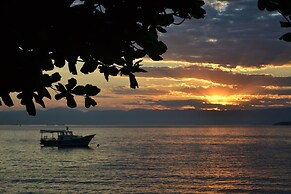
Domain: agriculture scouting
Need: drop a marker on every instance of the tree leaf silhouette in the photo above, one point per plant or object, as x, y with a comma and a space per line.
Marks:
133, 82
99, 35
7, 99
286, 37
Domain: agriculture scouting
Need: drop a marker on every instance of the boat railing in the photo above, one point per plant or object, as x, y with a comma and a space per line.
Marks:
44, 136
52, 134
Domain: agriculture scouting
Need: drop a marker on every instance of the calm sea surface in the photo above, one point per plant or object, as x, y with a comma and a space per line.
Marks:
149, 160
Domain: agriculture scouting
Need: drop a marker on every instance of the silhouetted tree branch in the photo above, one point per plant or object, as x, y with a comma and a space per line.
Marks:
284, 8
108, 36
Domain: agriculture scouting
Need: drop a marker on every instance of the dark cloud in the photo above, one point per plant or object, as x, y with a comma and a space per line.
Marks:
268, 102
141, 91
176, 104
227, 91
217, 76
240, 35
213, 90
190, 103
275, 91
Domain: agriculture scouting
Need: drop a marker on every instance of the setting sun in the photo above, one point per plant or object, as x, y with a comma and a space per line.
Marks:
223, 100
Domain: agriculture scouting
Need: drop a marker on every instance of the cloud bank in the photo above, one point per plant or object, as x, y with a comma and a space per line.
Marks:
233, 33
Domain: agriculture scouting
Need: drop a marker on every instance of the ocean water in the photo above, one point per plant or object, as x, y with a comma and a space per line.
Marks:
206, 159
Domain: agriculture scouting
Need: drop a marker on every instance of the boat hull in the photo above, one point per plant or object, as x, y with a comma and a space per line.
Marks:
79, 142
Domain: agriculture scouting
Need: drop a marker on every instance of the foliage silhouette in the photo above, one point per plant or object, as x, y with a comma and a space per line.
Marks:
284, 8
109, 36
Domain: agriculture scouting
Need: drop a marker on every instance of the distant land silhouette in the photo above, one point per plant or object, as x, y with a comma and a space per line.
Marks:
283, 123
59, 116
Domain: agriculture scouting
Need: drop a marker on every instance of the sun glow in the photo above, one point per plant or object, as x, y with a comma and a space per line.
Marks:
223, 100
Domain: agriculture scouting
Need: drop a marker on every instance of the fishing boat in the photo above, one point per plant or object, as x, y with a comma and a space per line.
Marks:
63, 138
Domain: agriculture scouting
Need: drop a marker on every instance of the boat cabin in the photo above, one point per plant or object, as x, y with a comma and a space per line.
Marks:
56, 134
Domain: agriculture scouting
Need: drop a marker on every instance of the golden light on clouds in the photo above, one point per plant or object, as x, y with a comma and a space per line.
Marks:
184, 85
267, 69
223, 100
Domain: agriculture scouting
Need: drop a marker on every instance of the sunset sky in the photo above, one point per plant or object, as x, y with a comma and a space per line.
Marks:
231, 59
